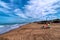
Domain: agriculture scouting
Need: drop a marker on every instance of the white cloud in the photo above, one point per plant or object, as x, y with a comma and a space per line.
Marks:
41, 7
50, 17
34, 9
4, 10
5, 5
19, 13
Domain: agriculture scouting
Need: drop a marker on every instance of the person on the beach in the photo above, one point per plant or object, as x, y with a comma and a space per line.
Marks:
47, 25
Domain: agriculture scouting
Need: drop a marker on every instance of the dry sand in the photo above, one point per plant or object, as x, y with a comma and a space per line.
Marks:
33, 31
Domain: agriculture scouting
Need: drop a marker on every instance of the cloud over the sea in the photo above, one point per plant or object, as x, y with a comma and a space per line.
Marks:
34, 10
38, 8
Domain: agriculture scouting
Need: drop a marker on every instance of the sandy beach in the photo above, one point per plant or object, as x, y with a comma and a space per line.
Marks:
33, 31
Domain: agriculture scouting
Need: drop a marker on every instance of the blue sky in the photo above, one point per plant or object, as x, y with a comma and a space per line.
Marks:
32, 10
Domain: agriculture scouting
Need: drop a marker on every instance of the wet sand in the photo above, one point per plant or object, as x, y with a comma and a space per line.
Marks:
33, 31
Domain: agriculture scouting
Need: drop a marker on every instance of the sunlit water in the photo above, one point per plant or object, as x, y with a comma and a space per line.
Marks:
15, 13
